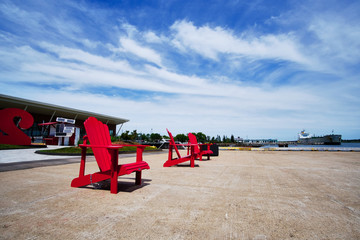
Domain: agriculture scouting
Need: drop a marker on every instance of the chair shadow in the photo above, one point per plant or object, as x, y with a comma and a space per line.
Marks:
123, 186
186, 165
203, 160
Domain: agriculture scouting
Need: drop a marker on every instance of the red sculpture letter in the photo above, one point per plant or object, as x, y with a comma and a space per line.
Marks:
9, 131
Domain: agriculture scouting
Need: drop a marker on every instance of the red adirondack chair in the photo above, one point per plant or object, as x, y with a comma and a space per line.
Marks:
174, 161
106, 156
198, 151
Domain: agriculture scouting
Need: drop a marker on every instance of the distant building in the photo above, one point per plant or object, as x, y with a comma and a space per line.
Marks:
260, 141
256, 141
46, 114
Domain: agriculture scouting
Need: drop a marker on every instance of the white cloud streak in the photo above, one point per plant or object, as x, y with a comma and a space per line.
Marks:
338, 40
211, 42
148, 54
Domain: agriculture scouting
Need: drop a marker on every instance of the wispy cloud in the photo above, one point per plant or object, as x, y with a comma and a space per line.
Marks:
211, 42
337, 40
148, 54
74, 55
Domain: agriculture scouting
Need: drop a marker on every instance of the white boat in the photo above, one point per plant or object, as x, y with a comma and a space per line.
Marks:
307, 138
304, 135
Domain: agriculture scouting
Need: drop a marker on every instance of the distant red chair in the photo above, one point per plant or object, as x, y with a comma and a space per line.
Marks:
198, 150
174, 161
106, 156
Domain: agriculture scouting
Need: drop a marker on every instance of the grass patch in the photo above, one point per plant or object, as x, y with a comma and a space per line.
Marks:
65, 150
8, 146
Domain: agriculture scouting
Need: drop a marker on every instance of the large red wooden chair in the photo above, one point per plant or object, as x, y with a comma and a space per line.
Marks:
199, 152
174, 161
106, 155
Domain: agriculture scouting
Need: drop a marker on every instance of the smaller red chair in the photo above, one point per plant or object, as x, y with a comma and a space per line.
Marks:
198, 151
174, 161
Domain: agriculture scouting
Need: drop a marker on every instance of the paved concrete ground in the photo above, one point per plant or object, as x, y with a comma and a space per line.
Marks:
238, 195
17, 159
27, 158
27, 155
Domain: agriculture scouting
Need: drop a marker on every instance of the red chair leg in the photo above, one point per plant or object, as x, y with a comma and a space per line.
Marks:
114, 182
138, 178
114, 171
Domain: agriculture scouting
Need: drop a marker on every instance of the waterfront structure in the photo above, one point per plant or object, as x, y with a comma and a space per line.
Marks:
255, 142
45, 115
259, 141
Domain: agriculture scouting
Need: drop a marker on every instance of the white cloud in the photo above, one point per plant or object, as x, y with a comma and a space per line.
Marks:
80, 68
328, 34
133, 47
239, 115
151, 37
90, 44
131, 30
171, 77
83, 57
29, 20
211, 42
338, 38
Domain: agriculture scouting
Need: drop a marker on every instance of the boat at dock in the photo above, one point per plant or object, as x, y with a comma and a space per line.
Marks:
308, 139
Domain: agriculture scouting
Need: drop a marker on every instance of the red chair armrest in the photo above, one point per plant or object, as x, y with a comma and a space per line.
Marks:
102, 146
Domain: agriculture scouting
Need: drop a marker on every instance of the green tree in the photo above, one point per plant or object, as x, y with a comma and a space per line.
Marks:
133, 136
155, 137
115, 138
125, 135
200, 137
144, 137
226, 139
181, 138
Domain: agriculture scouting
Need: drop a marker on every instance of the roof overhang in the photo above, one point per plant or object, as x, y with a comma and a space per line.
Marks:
49, 109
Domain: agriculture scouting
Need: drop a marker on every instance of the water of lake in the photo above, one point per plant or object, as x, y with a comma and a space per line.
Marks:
343, 145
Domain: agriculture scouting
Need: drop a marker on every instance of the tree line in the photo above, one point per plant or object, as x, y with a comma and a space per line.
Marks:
156, 137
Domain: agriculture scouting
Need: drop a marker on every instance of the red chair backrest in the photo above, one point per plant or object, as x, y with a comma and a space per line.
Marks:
98, 134
193, 140
172, 142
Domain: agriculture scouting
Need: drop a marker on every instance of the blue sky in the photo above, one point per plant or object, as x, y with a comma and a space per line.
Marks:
255, 69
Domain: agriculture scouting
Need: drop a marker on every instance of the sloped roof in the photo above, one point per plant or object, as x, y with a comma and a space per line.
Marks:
60, 111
